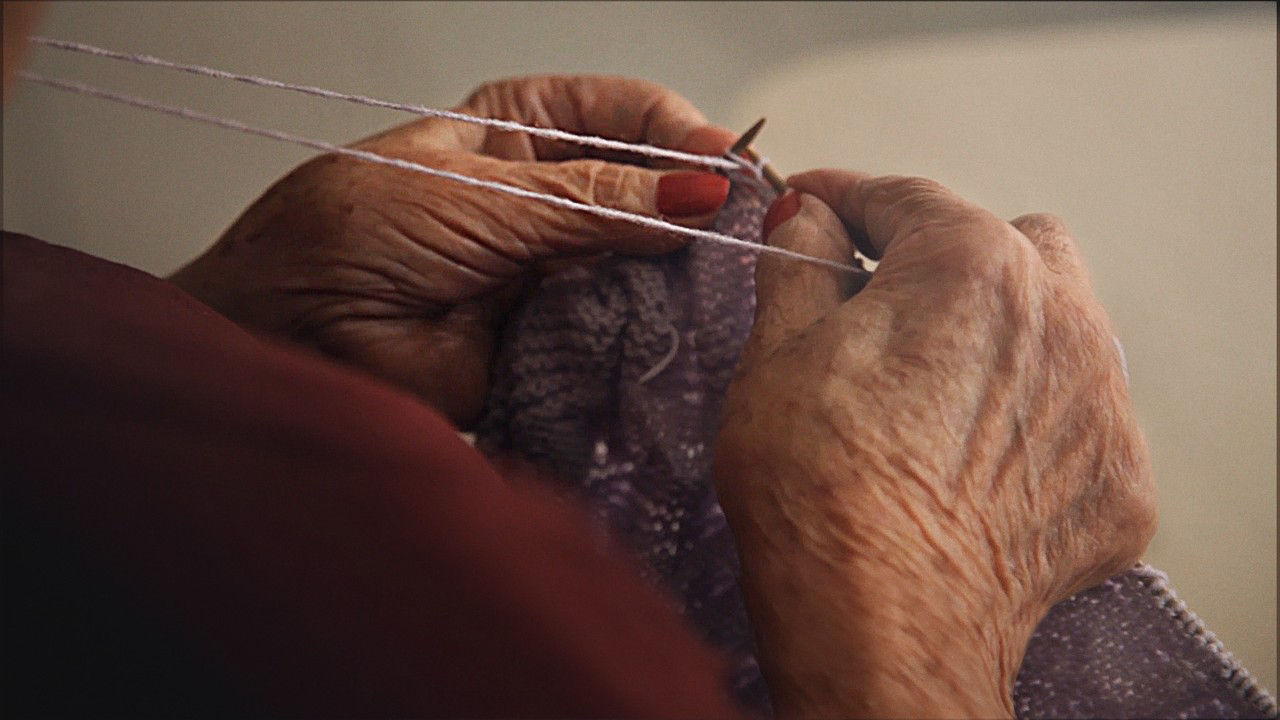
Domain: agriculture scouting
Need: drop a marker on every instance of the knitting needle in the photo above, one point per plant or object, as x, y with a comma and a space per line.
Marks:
741, 147
743, 142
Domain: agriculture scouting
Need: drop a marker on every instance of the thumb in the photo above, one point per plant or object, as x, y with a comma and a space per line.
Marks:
791, 295
690, 199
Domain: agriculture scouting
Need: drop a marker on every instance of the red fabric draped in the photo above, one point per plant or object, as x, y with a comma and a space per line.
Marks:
200, 520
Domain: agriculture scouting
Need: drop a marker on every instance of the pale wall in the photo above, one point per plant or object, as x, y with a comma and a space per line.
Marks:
1151, 129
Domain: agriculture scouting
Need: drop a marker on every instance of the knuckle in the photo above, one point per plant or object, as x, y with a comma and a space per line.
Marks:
920, 202
657, 94
996, 248
986, 254
908, 186
598, 182
1048, 233
921, 192
510, 91
480, 96
1039, 223
906, 195
922, 186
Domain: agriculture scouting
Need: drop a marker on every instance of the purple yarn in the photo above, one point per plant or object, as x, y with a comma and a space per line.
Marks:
1129, 648
568, 393
587, 384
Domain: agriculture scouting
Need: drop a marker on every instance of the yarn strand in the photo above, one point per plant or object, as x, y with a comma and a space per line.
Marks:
715, 161
600, 211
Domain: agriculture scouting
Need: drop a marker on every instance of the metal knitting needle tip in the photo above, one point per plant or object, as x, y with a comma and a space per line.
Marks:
742, 148
744, 142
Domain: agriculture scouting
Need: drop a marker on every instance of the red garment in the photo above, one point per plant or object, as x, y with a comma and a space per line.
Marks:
199, 520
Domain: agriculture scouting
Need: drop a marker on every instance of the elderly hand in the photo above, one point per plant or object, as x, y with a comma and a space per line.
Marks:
408, 276
917, 469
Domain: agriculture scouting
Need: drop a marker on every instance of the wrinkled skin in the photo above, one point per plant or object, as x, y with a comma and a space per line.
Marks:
916, 469
409, 276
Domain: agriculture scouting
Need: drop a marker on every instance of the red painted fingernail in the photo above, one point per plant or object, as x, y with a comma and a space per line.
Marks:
782, 210
683, 194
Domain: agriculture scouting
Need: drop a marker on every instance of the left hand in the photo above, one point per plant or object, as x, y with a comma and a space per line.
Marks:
918, 466
409, 276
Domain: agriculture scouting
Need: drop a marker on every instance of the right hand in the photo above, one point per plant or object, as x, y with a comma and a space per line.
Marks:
409, 276
917, 469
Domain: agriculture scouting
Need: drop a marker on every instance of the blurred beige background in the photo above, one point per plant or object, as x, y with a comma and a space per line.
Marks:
1150, 128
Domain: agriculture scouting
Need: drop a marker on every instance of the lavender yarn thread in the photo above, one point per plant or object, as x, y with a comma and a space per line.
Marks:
563, 202
714, 161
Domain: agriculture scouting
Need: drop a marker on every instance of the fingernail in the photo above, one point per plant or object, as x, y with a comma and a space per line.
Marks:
782, 210
683, 194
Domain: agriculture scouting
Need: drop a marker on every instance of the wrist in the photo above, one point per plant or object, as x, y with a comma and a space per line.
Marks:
860, 617
882, 645
935, 650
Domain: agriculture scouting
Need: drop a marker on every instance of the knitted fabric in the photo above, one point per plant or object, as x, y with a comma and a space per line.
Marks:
613, 378
575, 388
1130, 648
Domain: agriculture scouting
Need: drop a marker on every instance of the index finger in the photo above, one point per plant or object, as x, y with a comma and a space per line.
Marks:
617, 108
876, 211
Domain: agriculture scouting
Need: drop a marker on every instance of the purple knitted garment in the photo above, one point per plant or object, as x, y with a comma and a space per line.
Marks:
613, 378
